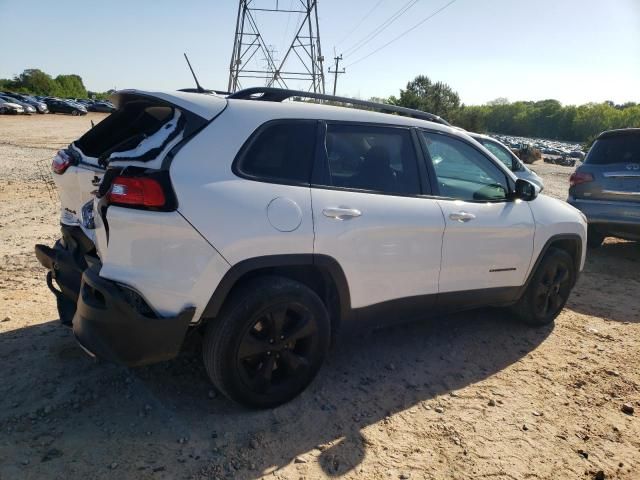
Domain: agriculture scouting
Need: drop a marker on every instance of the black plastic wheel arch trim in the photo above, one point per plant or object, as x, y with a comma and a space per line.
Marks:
237, 271
555, 238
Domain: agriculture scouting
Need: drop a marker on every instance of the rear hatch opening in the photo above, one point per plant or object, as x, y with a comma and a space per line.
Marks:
140, 131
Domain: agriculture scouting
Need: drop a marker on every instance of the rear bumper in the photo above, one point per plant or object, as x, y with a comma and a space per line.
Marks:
112, 322
109, 320
65, 263
610, 217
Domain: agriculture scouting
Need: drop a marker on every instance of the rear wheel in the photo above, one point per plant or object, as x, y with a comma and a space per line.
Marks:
594, 237
548, 290
268, 342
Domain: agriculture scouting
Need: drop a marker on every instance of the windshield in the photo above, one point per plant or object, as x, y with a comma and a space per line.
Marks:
620, 149
499, 152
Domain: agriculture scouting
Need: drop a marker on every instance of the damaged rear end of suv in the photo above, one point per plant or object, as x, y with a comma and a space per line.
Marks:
122, 164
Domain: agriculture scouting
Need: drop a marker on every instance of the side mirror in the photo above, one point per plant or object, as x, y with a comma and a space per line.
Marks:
525, 190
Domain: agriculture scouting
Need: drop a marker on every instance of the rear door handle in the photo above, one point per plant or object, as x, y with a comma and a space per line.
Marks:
341, 213
462, 217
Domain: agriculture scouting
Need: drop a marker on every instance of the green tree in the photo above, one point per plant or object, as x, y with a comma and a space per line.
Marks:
71, 86
423, 94
35, 81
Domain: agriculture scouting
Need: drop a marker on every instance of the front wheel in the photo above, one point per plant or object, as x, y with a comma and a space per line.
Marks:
548, 290
268, 342
75, 113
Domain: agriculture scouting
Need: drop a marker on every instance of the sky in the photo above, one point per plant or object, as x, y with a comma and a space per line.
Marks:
576, 51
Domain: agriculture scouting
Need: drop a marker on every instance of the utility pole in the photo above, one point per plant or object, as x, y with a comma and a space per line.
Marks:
335, 72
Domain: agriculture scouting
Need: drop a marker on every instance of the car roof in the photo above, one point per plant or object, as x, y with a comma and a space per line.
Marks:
208, 106
480, 135
310, 110
620, 132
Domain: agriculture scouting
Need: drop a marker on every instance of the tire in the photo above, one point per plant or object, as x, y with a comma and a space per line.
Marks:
268, 342
548, 290
594, 238
74, 113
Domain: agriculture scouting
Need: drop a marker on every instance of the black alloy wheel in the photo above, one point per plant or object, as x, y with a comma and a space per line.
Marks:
548, 289
278, 348
268, 342
552, 290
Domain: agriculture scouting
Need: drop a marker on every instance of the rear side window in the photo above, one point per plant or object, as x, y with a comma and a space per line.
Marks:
379, 159
281, 152
621, 149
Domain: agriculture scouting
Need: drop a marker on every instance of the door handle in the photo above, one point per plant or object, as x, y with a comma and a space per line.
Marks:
462, 217
341, 213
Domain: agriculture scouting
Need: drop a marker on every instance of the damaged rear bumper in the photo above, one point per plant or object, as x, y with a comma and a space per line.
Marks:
109, 320
114, 323
65, 263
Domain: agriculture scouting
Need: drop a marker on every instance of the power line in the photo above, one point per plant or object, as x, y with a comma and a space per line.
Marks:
403, 33
359, 23
380, 28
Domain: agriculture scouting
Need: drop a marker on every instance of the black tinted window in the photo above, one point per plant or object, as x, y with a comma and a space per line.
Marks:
463, 172
622, 149
380, 159
283, 151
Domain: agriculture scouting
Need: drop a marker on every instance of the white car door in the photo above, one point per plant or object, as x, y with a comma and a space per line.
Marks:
488, 238
369, 214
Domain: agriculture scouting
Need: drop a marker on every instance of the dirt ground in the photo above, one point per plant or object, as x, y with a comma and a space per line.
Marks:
475, 395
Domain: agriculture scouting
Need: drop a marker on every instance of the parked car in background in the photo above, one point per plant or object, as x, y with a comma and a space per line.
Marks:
606, 187
11, 108
506, 156
106, 107
313, 219
27, 109
40, 107
57, 105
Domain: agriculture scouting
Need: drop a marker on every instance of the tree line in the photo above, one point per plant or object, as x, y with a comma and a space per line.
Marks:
542, 119
33, 81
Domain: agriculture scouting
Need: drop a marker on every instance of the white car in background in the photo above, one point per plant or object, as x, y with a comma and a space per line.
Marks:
273, 226
10, 107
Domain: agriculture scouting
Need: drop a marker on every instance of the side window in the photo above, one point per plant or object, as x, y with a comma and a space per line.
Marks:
499, 152
379, 159
463, 172
283, 151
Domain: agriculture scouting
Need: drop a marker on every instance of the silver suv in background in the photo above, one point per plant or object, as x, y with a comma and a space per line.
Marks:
506, 156
606, 187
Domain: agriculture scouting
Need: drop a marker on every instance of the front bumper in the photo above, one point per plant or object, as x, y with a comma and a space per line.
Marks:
109, 320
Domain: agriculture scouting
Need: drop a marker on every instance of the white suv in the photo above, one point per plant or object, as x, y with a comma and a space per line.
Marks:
273, 225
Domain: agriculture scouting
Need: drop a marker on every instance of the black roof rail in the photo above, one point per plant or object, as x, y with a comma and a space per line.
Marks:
204, 90
269, 94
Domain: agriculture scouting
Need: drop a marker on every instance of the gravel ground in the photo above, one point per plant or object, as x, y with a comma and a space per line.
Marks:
472, 395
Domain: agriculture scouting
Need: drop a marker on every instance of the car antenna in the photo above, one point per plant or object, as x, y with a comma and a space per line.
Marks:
200, 89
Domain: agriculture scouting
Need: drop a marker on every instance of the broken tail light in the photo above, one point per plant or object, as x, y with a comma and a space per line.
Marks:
60, 162
577, 178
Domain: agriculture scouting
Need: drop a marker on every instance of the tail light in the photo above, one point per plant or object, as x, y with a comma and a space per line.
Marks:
60, 162
142, 192
577, 178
